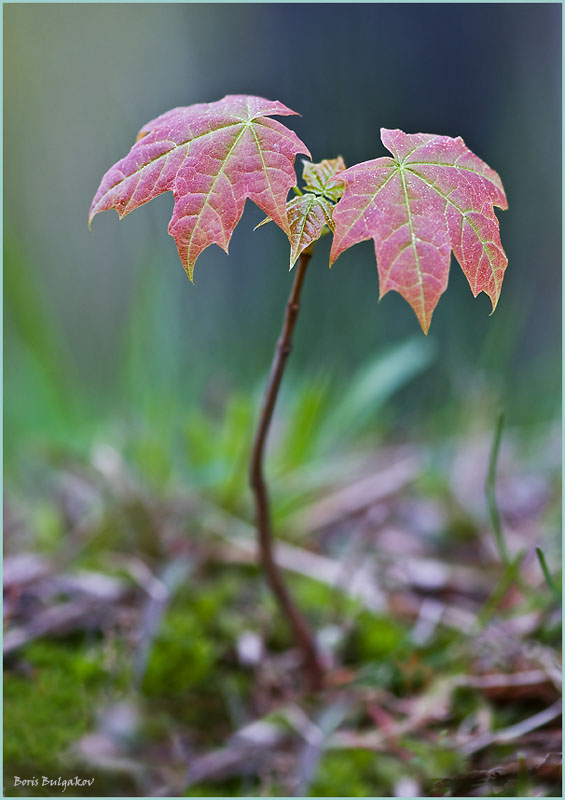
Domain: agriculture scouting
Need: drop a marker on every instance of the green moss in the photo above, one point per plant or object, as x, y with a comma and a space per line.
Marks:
364, 773
350, 773
376, 637
182, 656
216, 604
187, 676
434, 760
49, 708
316, 598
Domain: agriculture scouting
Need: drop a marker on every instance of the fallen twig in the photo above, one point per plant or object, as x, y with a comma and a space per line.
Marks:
514, 731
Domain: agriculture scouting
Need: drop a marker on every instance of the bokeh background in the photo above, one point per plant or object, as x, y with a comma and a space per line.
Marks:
104, 323
130, 394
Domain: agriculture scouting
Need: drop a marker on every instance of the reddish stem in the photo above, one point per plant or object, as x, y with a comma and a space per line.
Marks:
300, 628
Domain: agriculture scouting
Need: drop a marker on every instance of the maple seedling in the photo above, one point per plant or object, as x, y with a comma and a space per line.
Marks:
431, 198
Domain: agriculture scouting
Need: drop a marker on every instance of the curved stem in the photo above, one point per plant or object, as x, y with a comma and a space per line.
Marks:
300, 628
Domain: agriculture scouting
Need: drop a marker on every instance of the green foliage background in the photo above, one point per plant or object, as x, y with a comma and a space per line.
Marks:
104, 325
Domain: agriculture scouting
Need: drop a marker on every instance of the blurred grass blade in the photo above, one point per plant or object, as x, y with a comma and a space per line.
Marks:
509, 577
309, 404
42, 395
375, 383
548, 578
491, 493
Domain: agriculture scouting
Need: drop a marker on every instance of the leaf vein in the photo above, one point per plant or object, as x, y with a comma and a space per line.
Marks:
466, 219
163, 155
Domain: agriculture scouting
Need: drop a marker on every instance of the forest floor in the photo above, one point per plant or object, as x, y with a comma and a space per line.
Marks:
143, 648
